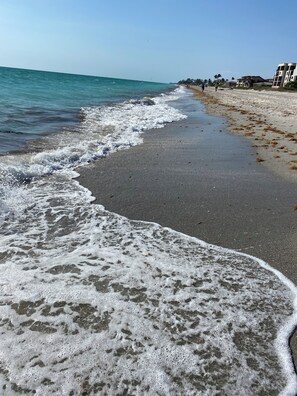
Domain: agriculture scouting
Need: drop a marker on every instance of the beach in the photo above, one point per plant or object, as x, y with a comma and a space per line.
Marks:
116, 228
198, 178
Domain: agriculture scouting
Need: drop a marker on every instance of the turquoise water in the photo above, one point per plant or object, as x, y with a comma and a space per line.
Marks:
35, 103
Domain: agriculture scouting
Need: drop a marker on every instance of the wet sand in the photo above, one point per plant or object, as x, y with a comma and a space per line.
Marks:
267, 118
196, 177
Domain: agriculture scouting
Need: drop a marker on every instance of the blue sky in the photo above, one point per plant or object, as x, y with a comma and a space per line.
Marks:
155, 40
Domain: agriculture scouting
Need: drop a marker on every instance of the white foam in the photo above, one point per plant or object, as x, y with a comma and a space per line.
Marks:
93, 302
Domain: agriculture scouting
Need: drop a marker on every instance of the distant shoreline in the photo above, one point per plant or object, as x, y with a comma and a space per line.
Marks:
269, 119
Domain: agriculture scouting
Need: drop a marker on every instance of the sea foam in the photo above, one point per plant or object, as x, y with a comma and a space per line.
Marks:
93, 302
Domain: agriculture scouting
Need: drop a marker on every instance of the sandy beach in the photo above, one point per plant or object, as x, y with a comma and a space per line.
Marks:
196, 177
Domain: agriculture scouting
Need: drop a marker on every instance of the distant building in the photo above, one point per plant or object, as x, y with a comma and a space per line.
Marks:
230, 84
249, 81
285, 73
266, 83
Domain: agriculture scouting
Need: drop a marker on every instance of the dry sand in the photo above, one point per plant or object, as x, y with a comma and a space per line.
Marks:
268, 118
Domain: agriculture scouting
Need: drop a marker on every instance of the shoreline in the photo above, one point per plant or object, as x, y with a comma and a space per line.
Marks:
196, 177
265, 118
190, 168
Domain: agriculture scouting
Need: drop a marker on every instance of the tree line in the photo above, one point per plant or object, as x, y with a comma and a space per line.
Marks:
218, 79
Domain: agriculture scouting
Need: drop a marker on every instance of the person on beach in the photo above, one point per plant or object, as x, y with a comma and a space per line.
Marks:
216, 86
202, 87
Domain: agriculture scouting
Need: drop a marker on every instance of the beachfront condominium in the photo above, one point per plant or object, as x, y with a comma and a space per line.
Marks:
285, 73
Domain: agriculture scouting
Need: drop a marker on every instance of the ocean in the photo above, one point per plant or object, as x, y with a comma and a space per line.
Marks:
93, 303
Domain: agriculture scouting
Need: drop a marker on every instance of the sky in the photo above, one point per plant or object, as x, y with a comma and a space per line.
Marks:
152, 40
